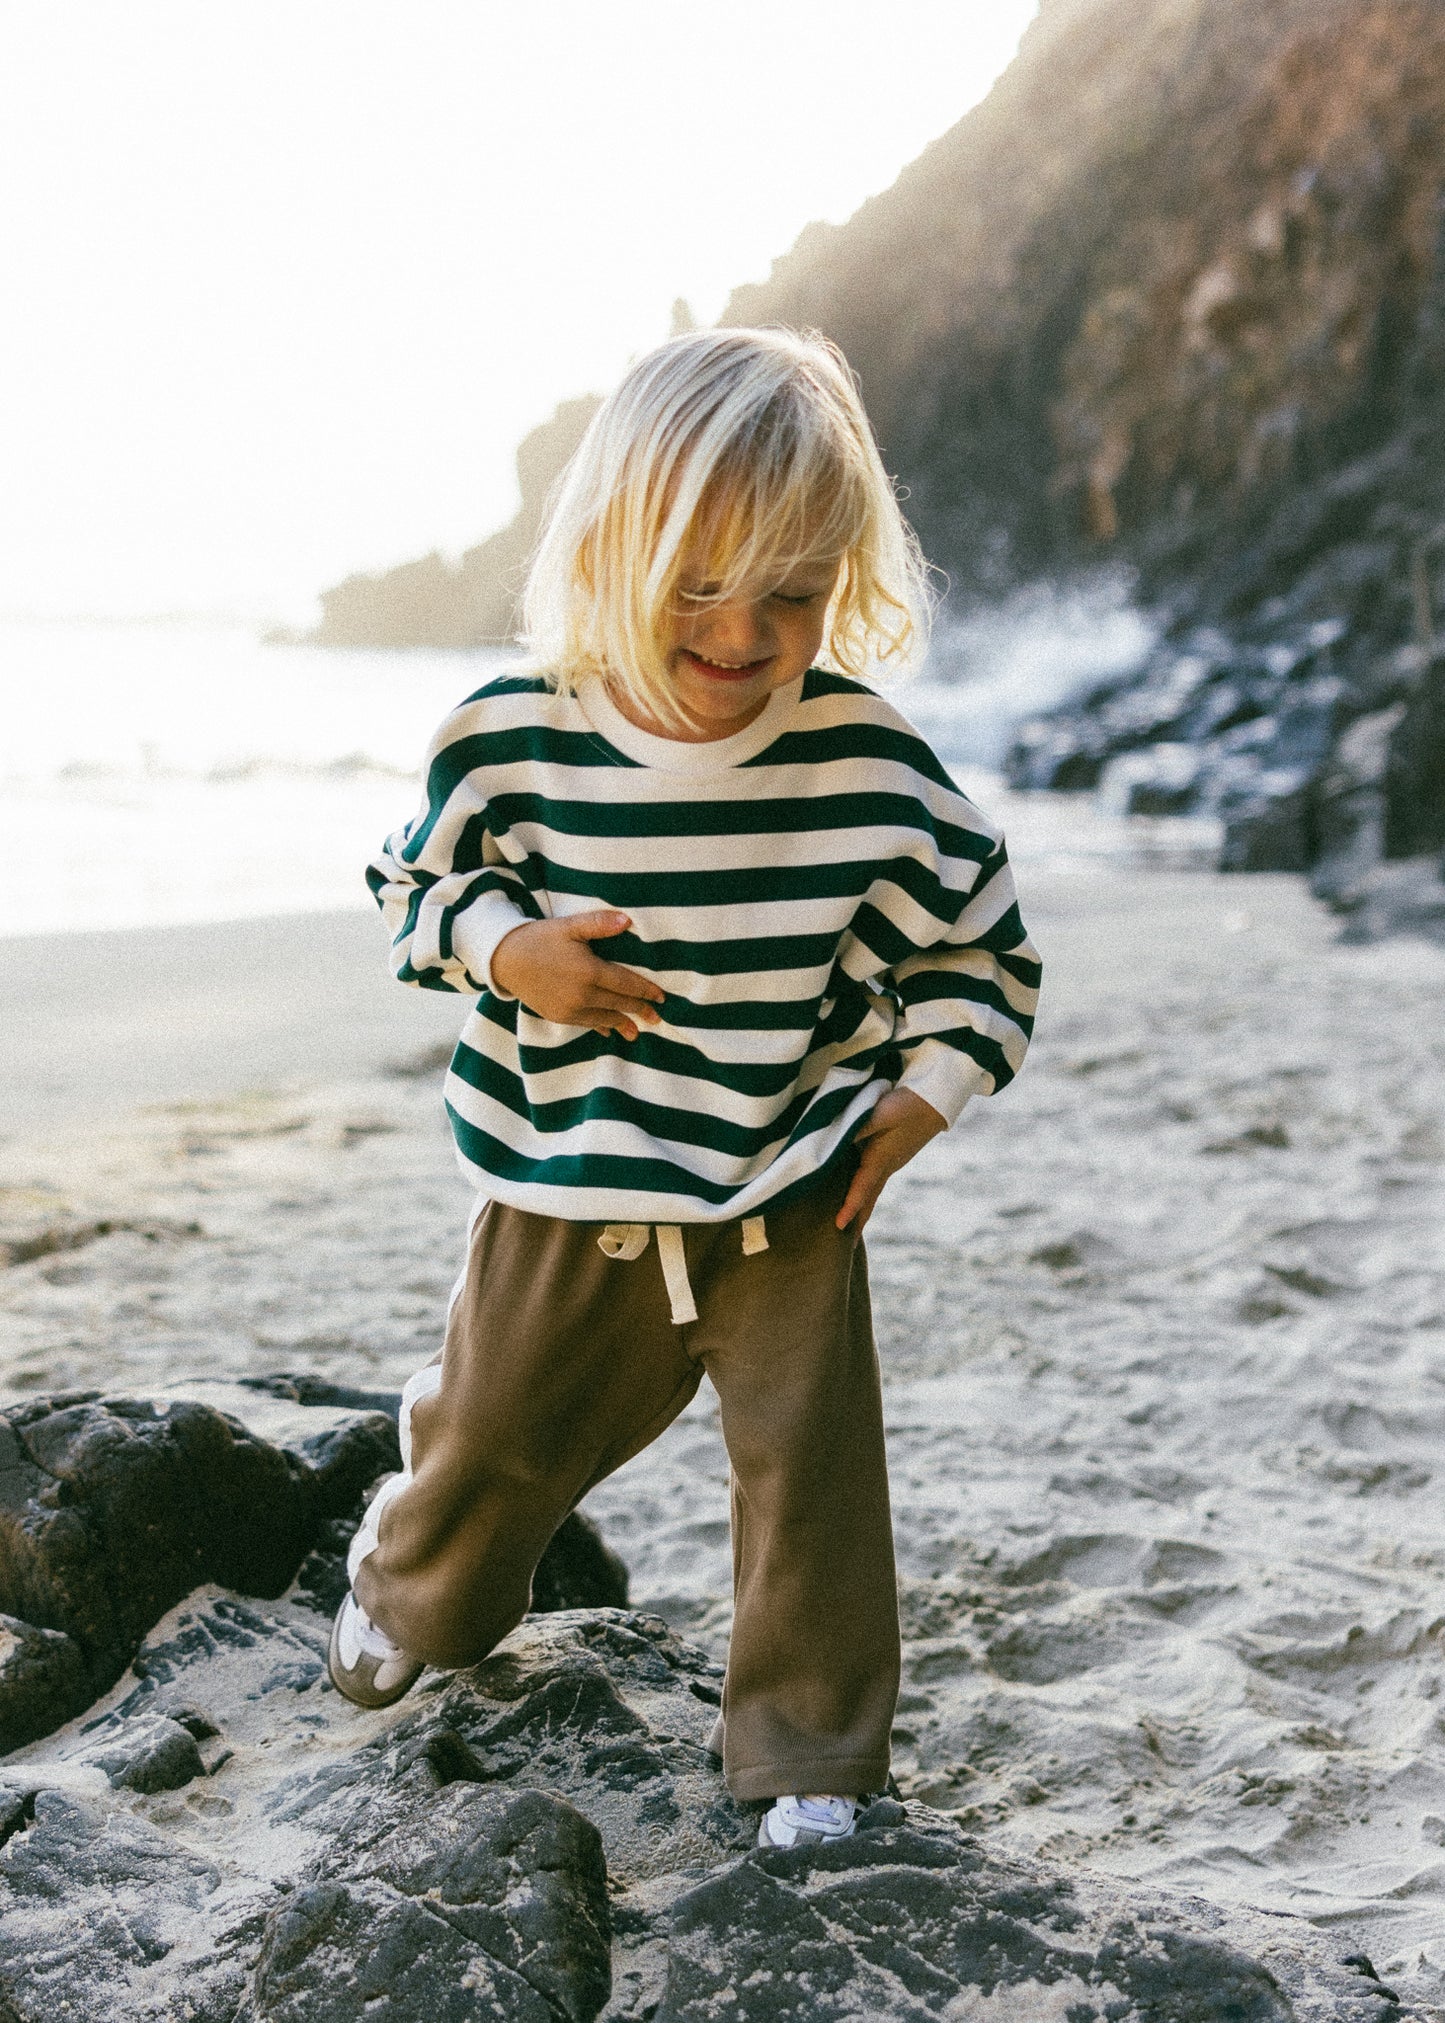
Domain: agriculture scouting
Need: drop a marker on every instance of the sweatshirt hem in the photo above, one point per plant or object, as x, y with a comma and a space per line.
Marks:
596, 1204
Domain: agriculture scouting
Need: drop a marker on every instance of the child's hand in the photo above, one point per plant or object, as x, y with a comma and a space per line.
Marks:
899, 1125
550, 966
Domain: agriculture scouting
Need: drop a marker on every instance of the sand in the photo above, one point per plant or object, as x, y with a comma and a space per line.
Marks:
1163, 1335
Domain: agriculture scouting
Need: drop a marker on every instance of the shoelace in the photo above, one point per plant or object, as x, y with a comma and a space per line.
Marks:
627, 1240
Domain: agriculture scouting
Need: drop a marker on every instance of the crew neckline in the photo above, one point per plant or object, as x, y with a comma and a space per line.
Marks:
681, 755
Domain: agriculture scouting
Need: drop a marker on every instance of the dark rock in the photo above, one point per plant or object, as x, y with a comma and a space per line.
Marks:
1162, 780
1391, 899
43, 1677
1270, 829
155, 1755
517, 1880
98, 1903
516, 1840
339, 1951
1414, 782
1350, 803
112, 1510
579, 1570
908, 1918
303, 1388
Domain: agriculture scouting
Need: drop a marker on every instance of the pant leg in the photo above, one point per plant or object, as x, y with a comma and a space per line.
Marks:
787, 1339
559, 1364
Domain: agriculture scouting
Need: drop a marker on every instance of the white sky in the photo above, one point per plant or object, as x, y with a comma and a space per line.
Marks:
282, 282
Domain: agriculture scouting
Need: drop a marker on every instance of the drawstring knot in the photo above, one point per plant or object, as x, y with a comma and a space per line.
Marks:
626, 1241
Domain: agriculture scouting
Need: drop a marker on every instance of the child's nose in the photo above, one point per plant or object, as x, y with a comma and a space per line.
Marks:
739, 630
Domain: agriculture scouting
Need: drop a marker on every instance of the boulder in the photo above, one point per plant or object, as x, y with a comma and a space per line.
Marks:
112, 1510
546, 1838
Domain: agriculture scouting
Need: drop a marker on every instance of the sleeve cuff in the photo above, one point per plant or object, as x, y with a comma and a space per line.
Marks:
476, 933
943, 1077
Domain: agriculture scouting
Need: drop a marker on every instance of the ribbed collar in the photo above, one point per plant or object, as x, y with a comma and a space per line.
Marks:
679, 755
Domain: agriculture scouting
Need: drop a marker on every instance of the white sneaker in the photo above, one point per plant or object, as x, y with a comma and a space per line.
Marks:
364, 1663
806, 1821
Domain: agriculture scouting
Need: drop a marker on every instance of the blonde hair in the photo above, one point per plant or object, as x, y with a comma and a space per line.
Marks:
737, 456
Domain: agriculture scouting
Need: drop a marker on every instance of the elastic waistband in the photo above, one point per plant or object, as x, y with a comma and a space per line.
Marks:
626, 1241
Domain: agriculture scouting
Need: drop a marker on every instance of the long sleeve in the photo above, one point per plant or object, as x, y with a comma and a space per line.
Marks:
968, 1000
444, 887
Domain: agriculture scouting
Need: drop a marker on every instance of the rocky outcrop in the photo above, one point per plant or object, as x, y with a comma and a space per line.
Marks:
469, 602
545, 1838
112, 1510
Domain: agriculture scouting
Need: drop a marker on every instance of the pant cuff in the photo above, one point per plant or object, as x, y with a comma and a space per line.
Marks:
837, 1776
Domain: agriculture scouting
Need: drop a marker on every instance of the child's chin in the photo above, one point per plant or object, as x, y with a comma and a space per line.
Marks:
720, 700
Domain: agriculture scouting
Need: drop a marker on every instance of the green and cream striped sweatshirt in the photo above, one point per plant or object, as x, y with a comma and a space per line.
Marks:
827, 915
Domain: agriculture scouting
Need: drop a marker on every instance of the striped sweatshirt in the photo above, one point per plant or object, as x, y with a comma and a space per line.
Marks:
826, 913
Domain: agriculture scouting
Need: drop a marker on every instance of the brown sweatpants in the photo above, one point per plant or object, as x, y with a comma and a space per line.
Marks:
560, 1363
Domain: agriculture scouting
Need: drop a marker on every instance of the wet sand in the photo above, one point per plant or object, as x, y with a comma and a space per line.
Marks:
1162, 1328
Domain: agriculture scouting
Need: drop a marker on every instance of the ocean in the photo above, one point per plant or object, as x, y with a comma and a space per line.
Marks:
156, 773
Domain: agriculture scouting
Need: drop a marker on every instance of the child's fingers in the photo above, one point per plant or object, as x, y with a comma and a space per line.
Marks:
864, 1188
611, 1022
615, 976
860, 1200
627, 1002
596, 926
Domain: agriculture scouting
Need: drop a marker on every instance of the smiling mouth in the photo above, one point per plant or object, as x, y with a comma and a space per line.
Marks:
717, 670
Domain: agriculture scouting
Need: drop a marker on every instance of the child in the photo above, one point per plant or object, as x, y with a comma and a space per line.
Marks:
740, 948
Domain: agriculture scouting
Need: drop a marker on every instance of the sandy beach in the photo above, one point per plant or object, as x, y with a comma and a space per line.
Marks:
1162, 1330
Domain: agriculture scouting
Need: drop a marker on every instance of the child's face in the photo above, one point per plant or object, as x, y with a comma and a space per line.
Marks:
727, 658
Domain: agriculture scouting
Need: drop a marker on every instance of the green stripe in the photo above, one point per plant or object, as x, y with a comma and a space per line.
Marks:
675, 1057
1005, 935
774, 816
931, 986
978, 1047
1023, 967
663, 1121
510, 684
758, 885
834, 743
535, 744
435, 979
494, 879
886, 940
611, 1169
743, 955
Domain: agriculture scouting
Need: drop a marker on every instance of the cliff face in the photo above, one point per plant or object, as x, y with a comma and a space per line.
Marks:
472, 602
1172, 295
1174, 257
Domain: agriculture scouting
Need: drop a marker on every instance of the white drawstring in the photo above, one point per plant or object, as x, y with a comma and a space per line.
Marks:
626, 1241
674, 1273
